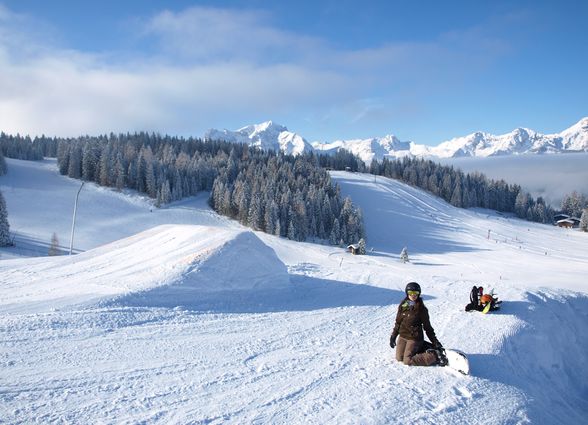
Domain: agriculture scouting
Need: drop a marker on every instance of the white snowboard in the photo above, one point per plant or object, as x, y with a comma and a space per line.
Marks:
458, 361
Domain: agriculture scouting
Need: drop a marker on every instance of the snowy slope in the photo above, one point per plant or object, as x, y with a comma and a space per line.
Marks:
204, 321
176, 262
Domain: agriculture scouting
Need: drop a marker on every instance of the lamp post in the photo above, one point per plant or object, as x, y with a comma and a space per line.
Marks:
73, 223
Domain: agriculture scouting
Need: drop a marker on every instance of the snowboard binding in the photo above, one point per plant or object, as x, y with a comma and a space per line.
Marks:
440, 355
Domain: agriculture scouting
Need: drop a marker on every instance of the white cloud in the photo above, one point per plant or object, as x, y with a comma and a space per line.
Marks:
211, 68
62, 96
67, 93
206, 34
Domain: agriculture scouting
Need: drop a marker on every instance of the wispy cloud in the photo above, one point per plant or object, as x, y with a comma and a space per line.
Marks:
211, 67
205, 34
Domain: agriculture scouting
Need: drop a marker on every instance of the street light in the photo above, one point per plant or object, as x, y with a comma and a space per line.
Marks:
73, 223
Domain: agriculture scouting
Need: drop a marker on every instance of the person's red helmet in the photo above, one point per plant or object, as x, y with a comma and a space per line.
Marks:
486, 298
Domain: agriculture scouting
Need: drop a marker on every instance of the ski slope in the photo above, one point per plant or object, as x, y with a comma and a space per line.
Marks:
178, 315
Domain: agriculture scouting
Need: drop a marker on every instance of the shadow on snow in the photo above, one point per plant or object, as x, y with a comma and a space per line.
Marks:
550, 348
303, 294
28, 246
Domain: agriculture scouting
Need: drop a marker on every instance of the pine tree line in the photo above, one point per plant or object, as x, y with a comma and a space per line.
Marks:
341, 160
465, 190
144, 166
166, 169
276, 193
286, 196
23, 147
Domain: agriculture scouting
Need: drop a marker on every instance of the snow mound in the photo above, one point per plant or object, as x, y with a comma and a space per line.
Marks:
174, 260
240, 272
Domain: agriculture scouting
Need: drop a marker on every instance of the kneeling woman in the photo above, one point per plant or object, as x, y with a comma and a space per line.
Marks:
411, 319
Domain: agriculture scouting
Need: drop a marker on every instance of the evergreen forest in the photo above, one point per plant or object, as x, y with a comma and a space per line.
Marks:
279, 194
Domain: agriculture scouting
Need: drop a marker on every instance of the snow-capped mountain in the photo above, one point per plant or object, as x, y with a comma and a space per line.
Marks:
575, 138
276, 137
374, 148
519, 141
266, 136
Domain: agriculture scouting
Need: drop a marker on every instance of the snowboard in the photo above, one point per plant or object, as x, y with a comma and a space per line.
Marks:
457, 360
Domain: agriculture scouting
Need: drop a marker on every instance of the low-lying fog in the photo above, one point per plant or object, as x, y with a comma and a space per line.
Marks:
550, 176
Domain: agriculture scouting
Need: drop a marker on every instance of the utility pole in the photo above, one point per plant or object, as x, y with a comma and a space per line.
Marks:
73, 223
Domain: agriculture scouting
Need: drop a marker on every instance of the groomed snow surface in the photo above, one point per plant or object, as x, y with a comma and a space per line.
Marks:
177, 315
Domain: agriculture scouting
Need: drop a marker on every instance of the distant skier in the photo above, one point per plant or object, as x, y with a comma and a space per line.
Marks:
412, 317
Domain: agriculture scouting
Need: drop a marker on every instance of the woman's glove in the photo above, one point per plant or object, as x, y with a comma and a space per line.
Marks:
392, 340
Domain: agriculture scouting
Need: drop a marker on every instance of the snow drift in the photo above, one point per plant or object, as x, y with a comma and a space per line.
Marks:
167, 265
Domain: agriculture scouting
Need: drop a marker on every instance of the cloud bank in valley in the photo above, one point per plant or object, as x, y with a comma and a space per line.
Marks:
549, 176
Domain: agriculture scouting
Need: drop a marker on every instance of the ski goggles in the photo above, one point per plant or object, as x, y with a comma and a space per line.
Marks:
413, 292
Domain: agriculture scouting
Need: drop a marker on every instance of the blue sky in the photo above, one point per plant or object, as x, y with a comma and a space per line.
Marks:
424, 71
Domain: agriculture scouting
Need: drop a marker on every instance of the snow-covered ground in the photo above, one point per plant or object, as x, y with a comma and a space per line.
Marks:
178, 315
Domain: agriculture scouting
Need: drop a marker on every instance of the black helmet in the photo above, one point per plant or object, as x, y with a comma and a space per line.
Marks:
412, 286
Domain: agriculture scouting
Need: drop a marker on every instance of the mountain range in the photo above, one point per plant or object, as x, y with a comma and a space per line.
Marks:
270, 135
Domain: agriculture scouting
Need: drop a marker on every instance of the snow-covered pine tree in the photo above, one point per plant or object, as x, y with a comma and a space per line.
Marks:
255, 214
3, 168
54, 247
105, 166
404, 255
63, 157
584, 220
521, 204
151, 180
89, 161
271, 218
165, 193
291, 234
335, 233
362, 249
4, 226
456, 196
119, 172
75, 162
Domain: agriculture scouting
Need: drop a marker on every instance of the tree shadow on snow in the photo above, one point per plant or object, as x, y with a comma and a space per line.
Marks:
303, 294
28, 246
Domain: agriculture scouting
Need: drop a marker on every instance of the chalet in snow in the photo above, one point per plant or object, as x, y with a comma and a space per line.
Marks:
353, 248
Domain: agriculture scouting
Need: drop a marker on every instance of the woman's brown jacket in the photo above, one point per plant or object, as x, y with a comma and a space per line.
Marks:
411, 320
